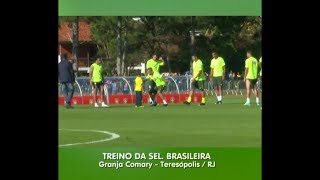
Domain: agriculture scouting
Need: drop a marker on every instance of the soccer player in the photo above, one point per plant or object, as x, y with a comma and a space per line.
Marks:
251, 76
96, 81
66, 78
197, 80
160, 85
138, 89
155, 64
218, 71
260, 65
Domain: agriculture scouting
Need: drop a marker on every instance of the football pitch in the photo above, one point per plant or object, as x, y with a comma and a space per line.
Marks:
228, 125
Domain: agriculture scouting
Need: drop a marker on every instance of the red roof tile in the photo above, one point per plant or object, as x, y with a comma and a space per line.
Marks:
65, 32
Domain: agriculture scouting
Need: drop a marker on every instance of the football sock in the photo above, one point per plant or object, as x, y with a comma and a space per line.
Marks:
189, 99
165, 102
257, 100
248, 100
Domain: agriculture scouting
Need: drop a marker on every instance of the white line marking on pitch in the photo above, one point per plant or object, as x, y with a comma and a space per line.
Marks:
113, 136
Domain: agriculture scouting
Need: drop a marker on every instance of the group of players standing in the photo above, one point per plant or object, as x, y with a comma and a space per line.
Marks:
253, 69
157, 84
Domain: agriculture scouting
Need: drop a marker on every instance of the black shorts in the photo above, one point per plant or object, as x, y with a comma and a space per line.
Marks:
253, 82
198, 85
160, 88
97, 84
217, 81
152, 86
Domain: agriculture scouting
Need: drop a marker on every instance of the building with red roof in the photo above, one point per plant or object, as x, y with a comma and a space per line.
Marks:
87, 49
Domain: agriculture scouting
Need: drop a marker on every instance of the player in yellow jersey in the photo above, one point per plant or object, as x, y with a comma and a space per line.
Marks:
138, 82
197, 80
160, 86
251, 77
155, 64
260, 66
96, 81
217, 74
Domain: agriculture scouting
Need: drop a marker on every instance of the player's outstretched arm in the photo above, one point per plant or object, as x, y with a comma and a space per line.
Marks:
161, 61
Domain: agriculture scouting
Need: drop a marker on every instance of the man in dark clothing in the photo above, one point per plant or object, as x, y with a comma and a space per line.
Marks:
66, 78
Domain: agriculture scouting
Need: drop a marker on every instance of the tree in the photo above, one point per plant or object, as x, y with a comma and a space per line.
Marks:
124, 46
74, 39
119, 49
111, 35
250, 34
192, 37
128, 41
164, 35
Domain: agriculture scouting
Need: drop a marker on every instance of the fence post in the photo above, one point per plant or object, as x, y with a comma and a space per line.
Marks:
80, 90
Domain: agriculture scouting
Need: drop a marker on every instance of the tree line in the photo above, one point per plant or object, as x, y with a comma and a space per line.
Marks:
125, 41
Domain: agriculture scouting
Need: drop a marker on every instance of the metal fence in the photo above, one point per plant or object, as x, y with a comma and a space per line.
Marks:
174, 84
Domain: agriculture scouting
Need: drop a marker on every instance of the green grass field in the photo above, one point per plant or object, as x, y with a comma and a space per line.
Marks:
228, 125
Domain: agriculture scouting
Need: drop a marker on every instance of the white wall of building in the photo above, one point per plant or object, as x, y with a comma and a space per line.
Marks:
141, 67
